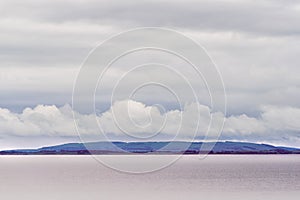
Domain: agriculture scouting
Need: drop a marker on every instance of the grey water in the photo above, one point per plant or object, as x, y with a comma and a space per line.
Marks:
215, 177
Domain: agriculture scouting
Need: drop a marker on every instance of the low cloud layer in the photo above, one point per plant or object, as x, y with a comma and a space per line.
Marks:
275, 125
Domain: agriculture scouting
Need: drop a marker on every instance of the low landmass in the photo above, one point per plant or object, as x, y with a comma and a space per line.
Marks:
111, 148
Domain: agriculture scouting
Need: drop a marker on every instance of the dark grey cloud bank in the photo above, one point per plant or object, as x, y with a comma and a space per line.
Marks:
256, 45
247, 16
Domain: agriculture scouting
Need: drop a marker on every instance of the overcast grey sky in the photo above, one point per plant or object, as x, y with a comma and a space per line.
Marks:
255, 44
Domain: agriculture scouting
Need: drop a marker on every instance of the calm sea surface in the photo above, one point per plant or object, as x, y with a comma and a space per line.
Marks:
216, 177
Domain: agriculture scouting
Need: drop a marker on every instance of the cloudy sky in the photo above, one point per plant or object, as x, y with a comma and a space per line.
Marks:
255, 45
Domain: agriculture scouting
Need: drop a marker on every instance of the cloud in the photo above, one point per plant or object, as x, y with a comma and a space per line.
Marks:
255, 45
283, 119
233, 15
41, 120
43, 44
276, 125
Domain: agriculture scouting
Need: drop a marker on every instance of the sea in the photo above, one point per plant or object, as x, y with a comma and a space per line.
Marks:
253, 177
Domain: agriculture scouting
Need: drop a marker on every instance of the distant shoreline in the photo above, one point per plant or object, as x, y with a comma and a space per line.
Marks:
155, 148
141, 154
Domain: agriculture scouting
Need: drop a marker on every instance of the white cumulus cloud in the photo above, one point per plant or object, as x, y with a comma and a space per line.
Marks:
142, 121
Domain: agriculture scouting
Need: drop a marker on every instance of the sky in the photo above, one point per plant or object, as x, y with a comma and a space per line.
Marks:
255, 45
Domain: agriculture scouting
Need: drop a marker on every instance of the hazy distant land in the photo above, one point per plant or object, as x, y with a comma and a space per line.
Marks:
100, 148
